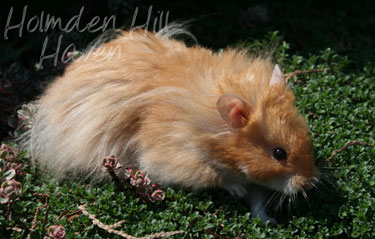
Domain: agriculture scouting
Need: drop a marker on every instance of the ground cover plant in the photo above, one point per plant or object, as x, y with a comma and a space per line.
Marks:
339, 107
334, 92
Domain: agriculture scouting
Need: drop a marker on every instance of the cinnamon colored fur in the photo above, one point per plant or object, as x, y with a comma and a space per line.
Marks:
154, 103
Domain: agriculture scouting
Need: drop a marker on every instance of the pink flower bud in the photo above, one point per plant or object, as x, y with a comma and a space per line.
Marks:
157, 195
6, 152
10, 191
146, 181
110, 163
155, 187
17, 167
128, 173
141, 181
56, 232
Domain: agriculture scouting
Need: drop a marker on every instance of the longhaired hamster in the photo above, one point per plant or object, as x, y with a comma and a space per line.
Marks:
186, 115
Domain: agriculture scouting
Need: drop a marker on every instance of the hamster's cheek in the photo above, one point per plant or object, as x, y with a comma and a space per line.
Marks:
267, 171
281, 184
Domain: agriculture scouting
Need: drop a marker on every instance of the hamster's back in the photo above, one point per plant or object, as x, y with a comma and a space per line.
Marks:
138, 92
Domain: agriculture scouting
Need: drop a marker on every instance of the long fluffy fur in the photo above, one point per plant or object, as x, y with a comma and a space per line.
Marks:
149, 100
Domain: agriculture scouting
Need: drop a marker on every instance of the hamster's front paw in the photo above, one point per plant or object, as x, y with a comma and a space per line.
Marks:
255, 198
257, 204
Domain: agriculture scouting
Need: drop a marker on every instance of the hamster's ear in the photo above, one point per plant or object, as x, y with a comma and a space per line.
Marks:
234, 110
277, 76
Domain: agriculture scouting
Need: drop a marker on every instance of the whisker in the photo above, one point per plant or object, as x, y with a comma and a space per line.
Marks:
281, 201
304, 195
320, 168
326, 172
278, 196
313, 184
272, 197
330, 181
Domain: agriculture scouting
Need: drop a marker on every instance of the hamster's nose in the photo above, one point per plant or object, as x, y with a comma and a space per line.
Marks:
301, 182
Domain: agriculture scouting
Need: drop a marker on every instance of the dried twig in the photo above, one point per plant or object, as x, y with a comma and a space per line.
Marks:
63, 214
71, 216
117, 224
109, 228
35, 220
45, 205
36, 214
353, 142
45, 219
299, 72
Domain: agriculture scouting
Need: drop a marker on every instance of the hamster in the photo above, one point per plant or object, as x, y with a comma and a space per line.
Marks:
186, 115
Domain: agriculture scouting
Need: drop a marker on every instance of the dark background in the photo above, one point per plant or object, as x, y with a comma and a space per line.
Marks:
347, 27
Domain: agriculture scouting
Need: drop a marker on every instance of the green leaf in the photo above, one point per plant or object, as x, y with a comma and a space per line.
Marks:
3, 200
9, 174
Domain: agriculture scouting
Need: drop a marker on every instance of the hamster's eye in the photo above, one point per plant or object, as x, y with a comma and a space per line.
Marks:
279, 154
